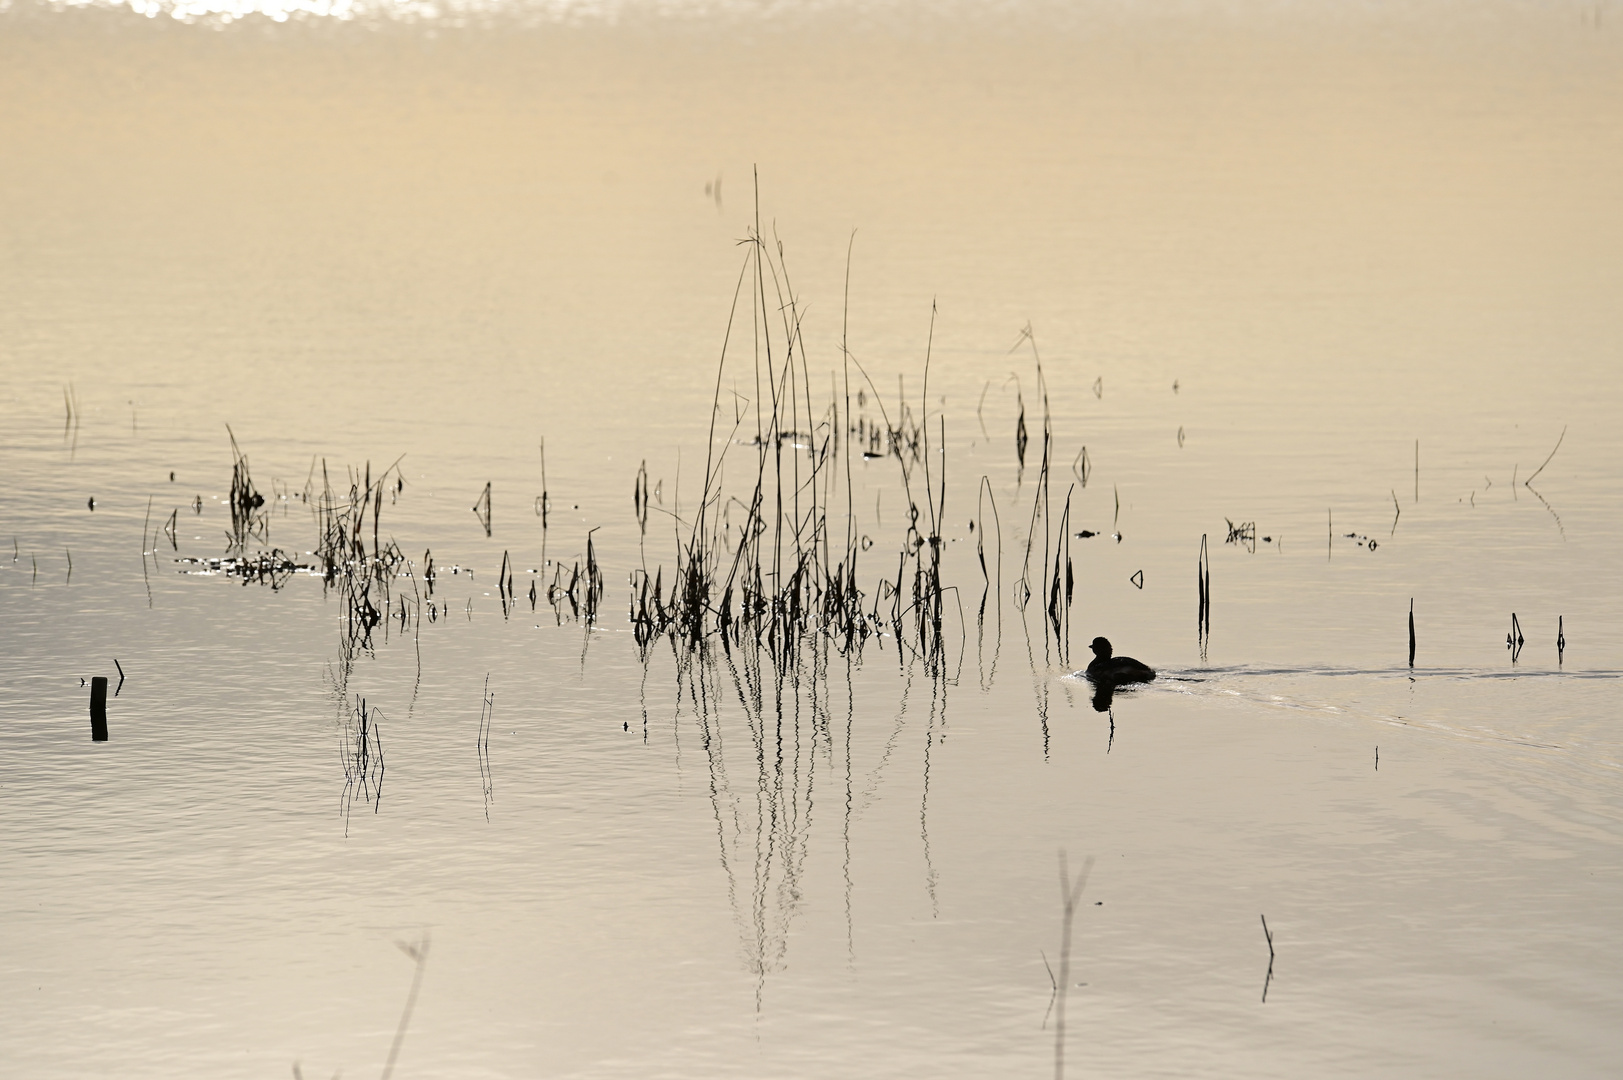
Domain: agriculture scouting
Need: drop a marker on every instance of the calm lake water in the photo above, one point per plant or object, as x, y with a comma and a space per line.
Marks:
1346, 277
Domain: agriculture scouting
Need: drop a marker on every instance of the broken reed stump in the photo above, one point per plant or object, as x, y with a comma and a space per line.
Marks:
98, 709
1203, 581
1411, 633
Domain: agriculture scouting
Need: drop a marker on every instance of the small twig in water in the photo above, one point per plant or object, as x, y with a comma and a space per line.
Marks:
1053, 982
481, 508
1529, 481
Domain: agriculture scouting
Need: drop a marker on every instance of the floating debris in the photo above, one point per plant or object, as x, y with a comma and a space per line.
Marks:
271, 568
1243, 535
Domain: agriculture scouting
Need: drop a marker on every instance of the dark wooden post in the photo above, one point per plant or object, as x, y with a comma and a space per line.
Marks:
98, 709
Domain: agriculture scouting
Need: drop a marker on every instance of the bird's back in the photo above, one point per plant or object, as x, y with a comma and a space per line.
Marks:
1120, 669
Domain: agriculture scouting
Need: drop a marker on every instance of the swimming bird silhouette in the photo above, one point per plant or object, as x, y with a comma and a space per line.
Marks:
1107, 668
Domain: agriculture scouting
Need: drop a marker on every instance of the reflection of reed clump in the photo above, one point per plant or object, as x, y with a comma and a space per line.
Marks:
360, 750
762, 780
777, 742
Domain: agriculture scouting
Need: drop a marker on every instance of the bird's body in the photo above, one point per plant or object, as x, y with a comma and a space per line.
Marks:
1108, 668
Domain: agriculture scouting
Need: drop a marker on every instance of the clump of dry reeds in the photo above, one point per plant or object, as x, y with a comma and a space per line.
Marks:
352, 556
582, 590
768, 562
249, 521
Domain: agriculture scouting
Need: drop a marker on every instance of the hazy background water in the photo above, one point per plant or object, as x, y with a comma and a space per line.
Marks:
1303, 236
